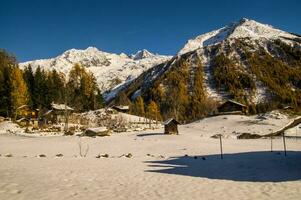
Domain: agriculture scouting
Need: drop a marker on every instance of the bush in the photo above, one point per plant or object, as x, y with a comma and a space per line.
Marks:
248, 136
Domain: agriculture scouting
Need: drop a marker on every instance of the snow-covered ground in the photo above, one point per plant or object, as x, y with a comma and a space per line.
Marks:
151, 165
230, 126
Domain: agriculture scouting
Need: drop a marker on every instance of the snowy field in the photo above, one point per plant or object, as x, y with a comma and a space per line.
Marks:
150, 165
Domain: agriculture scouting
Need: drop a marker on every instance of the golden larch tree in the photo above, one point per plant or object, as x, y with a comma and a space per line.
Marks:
19, 92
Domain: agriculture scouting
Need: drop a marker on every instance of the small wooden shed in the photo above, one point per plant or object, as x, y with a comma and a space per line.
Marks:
232, 107
171, 126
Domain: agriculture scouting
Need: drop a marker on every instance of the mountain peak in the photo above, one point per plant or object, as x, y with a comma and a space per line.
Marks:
74, 51
242, 20
244, 28
142, 54
92, 49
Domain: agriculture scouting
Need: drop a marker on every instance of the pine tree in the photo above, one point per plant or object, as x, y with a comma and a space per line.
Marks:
177, 96
177, 92
198, 95
7, 64
122, 99
153, 111
40, 93
82, 90
157, 93
19, 92
98, 99
55, 87
29, 79
139, 106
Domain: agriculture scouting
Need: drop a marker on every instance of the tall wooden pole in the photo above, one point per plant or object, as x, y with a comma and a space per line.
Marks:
66, 111
284, 145
221, 145
271, 143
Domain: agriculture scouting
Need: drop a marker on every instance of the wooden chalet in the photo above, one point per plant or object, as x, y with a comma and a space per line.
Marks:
25, 112
171, 126
57, 113
232, 107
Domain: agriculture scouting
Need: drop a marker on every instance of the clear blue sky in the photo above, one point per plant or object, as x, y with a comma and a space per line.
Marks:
34, 29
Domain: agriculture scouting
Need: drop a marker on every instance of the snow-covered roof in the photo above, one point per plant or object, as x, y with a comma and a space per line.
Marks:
47, 113
169, 121
60, 107
122, 107
98, 129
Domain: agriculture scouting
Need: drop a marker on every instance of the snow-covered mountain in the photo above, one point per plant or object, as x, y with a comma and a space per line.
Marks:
255, 36
238, 42
245, 28
110, 70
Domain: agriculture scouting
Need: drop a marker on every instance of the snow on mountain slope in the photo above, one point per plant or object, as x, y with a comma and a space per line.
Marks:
110, 70
245, 28
252, 32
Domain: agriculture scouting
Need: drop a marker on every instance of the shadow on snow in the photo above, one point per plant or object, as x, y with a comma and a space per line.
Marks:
149, 134
248, 166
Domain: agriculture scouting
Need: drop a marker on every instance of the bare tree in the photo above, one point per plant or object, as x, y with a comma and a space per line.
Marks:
82, 152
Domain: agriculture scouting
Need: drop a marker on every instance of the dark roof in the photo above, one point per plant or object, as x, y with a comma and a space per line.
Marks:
168, 121
235, 102
121, 107
47, 113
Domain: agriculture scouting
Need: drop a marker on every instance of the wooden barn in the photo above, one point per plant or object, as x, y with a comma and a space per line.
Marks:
171, 126
232, 107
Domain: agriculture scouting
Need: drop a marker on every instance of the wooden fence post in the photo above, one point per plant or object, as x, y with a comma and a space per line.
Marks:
221, 145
